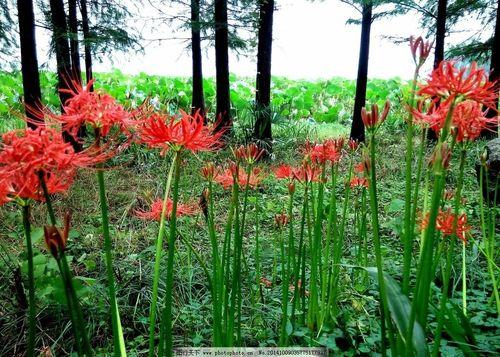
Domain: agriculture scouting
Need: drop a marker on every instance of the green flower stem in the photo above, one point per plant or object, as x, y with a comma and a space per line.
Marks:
286, 276
464, 281
31, 282
216, 271
119, 342
408, 232
158, 256
449, 257
76, 315
384, 310
488, 238
236, 268
166, 338
296, 272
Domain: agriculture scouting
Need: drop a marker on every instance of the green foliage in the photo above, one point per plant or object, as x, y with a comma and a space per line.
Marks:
326, 101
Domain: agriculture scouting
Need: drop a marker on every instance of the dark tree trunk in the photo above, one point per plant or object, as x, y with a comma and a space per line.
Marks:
262, 131
440, 32
29, 62
222, 67
439, 48
494, 76
86, 41
198, 101
357, 128
60, 38
76, 71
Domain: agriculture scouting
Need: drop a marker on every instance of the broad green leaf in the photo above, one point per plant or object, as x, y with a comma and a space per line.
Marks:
400, 308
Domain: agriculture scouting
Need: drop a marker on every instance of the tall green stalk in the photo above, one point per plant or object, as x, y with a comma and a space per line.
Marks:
408, 232
158, 256
166, 338
31, 282
384, 311
449, 257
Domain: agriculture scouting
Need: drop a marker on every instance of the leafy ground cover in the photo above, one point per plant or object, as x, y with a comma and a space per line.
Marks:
327, 101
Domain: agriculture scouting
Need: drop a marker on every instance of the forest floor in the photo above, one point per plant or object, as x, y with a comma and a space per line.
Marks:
136, 179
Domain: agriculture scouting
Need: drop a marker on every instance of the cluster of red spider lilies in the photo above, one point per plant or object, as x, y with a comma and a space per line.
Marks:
37, 162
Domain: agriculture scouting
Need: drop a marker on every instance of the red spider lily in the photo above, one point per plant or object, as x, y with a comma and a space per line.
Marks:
360, 167
55, 239
26, 154
209, 171
450, 82
281, 220
6, 188
250, 153
373, 119
445, 223
235, 174
266, 282
441, 154
330, 150
467, 122
358, 182
420, 50
307, 149
185, 132
284, 172
154, 213
95, 108
307, 172
353, 144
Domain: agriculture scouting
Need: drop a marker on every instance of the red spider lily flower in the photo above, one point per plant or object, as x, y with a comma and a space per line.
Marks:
330, 150
209, 171
185, 132
235, 174
188, 209
420, 50
373, 119
94, 108
307, 173
448, 81
284, 172
358, 182
26, 154
359, 168
250, 153
55, 239
281, 220
266, 282
353, 144
307, 149
442, 155
6, 188
445, 222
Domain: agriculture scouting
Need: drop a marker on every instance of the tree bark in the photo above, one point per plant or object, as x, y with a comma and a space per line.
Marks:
29, 61
86, 42
76, 71
224, 121
492, 131
262, 130
60, 38
439, 48
440, 32
198, 101
358, 128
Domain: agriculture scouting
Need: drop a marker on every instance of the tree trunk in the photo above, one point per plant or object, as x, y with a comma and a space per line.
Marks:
60, 38
29, 62
494, 76
262, 131
440, 32
198, 102
439, 48
224, 121
73, 42
86, 41
357, 128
